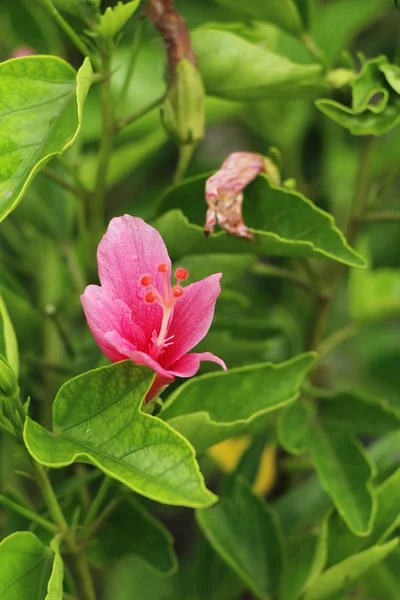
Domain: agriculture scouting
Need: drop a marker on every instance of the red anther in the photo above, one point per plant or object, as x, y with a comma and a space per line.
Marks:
181, 274
177, 291
145, 280
163, 268
149, 297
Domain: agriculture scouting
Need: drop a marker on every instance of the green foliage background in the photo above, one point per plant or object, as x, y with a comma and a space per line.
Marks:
308, 320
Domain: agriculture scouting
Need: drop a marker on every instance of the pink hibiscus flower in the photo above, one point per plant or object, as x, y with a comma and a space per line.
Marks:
136, 314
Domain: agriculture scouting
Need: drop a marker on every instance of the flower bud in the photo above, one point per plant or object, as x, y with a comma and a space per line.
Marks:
8, 381
183, 109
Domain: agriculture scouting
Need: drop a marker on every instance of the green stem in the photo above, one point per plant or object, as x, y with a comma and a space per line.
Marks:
186, 152
125, 121
333, 274
263, 269
381, 216
137, 38
80, 563
97, 502
312, 47
106, 142
74, 189
107, 512
338, 337
29, 514
66, 27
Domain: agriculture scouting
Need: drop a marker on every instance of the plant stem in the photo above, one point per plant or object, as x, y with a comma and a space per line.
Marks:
312, 47
186, 152
97, 502
337, 338
333, 273
29, 514
102, 518
137, 38
98, 200
125, 121
67, 29
380, 216
79, 192
80, 563
260, 268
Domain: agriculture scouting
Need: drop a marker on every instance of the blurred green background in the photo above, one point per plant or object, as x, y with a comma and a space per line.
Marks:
258, 317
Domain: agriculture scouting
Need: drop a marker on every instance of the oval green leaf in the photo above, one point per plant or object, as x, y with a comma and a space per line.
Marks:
342, 575
246, 533
285, 223
97, 419
235, 69
29, 569
8, 340
345, 472
41, 99
249, 393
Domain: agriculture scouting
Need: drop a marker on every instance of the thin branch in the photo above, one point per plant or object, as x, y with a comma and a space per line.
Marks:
125, 121
70, 187
380, 216
29, 514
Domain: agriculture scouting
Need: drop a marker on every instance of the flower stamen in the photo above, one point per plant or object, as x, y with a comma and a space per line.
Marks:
167, 300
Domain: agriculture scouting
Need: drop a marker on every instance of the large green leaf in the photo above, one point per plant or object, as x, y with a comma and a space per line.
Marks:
8, 340
285, 223
287, 14
41, 99
236, 69
218, 405
345, 472
97, 420
342, 575
133, 530
29, 569
245, 532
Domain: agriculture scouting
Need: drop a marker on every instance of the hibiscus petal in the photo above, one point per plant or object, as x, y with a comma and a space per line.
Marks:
192, 317
188, 365
106, 313
128, 350
129, 249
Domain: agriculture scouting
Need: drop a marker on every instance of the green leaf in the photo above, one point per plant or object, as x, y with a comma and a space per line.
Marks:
46, 96
357, 413
287, 14
306, 559
29, 569
115, 18
195, 408
374, 294
293, 427
133, 530
345, 472
55, 585
343, 544
235, 69
342, 575
8, 340
131, 578
383, 581
285, 223
366, 123
97, 420
369, 91
245, 532
83, 9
